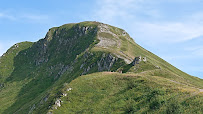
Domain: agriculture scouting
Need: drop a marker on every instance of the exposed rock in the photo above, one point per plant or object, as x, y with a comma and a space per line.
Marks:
1, 85
127, 59
64, 94
49, 112
69, 89
158, 67
115, 41
120, 70
58, 103
86, 70
43, 100
62, 69
46, 98
107, 42
16, 45
106, 62
81, 66
144, 59
137, 60
31, 109
124, 33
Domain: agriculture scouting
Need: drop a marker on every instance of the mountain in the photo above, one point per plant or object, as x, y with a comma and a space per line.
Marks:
92, 67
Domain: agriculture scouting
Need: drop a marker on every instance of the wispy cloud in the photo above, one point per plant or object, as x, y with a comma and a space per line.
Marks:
6, 16
154, 23
168, 32
130, 13
24, 16
108, 10
195, 50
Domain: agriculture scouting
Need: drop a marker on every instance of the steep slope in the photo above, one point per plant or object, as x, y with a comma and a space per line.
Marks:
8, 91
7, 59
34, 74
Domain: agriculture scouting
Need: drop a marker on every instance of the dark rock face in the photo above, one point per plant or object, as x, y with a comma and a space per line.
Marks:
106, 62
1, 85
103, 62
136, 60
62, 41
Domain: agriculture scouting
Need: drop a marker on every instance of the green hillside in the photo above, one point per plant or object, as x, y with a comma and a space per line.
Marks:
33, 76
109, 92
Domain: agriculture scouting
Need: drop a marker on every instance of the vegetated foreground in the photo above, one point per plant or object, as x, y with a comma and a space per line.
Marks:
108, 92
91, 67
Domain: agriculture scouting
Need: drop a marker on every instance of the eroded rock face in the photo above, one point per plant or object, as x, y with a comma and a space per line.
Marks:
106, 62
109, 39
137, 60
107, 42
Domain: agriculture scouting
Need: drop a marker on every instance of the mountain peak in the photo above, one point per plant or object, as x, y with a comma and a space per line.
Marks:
37, 75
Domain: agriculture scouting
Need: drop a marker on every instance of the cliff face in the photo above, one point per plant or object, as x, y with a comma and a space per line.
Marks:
35, 73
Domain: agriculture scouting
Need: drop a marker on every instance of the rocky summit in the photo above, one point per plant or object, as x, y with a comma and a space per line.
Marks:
92, 67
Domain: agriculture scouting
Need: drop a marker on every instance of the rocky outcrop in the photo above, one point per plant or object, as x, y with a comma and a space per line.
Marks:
107, 42
108, 39
144, 59
57, 103
103, 63
106, 62
1, 85
137, 60
64, 41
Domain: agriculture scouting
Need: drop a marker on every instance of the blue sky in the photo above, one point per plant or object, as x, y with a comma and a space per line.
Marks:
172, 29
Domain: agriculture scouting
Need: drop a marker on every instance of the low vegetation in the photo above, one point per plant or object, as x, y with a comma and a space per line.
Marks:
109, 92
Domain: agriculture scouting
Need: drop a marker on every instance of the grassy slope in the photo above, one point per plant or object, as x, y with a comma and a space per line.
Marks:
9, 92
60, 47
132, 49
108, 92
31, 81
28, 84
7, 60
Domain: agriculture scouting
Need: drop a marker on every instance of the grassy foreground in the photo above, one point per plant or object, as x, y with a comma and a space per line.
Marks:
109, 92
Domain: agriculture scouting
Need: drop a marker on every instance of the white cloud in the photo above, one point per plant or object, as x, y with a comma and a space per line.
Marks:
108, 10
153, 25
127, 13
168, 32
